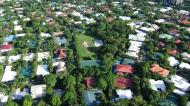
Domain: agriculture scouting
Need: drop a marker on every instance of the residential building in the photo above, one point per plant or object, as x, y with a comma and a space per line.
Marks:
124, 94
157, 85
155, 68
124, 69
174, 2
37, 91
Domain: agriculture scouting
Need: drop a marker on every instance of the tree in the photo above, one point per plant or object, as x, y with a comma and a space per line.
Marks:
184, 100
70, 98
137, 101
27, 101
170, 87
41, 103
102, 84
11, 103
55, 100
50, 80
1, 70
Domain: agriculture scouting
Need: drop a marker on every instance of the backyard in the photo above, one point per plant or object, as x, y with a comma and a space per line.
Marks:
85, 46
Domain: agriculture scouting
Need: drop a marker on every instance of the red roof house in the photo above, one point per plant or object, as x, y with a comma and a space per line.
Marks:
60, 53
5, 47
178, 41
155, 68
90, 82
123, 69
123, 83
172, 52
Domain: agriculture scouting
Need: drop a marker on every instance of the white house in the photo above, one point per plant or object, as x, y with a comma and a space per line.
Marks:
14, 58
18, 28
172, 61
132, 54
37, 91
160, 21
184, 66
42, 70
45, 35
8, 74
60, 66
20, 35
29, 57
43, 55
180, 83
179, 92
3, 97
125, 18
157, 85
185, 56
124, 93
2, 59
98, 43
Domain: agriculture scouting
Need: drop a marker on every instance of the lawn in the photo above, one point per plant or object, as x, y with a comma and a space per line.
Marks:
85, 46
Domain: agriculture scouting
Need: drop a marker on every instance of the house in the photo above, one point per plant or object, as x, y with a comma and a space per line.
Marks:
60, 53
61, 40
185, 56
172, 52
132, 54
160, 21
2, 59
18, 94
3, 97
42, 70
37, 91
155, 68
125, 18
184, 66
180, 83
173, 61
90, 82
8, 74
185, 22
174, 32
18, 28
5, 47
179, 92
58, 33
59, 66
98, 43
165, 36
45, 35
9, 38
123, 69
158, 85
91, 97
14, 58
123, 83
43, 55
29, 57
124, 93
20, 35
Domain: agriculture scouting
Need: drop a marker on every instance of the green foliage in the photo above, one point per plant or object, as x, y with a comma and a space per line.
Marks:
50, 80
56, 100
27, 101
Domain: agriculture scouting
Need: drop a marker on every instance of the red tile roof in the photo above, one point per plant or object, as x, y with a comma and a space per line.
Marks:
186, 22
155, 68
161, 45
121, 68
5, 46
123, 83
172, 52
90, 82
178, 41
60, 53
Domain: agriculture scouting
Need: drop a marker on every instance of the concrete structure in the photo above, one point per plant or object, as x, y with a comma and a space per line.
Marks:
174, 2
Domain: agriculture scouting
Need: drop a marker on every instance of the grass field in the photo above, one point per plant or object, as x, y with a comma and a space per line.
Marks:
85, 46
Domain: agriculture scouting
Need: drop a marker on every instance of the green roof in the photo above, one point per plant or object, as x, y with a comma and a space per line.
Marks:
171, 100
128, 61
89, 63
165, 36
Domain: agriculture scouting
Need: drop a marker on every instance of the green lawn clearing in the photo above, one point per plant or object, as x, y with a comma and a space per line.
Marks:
85, 46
